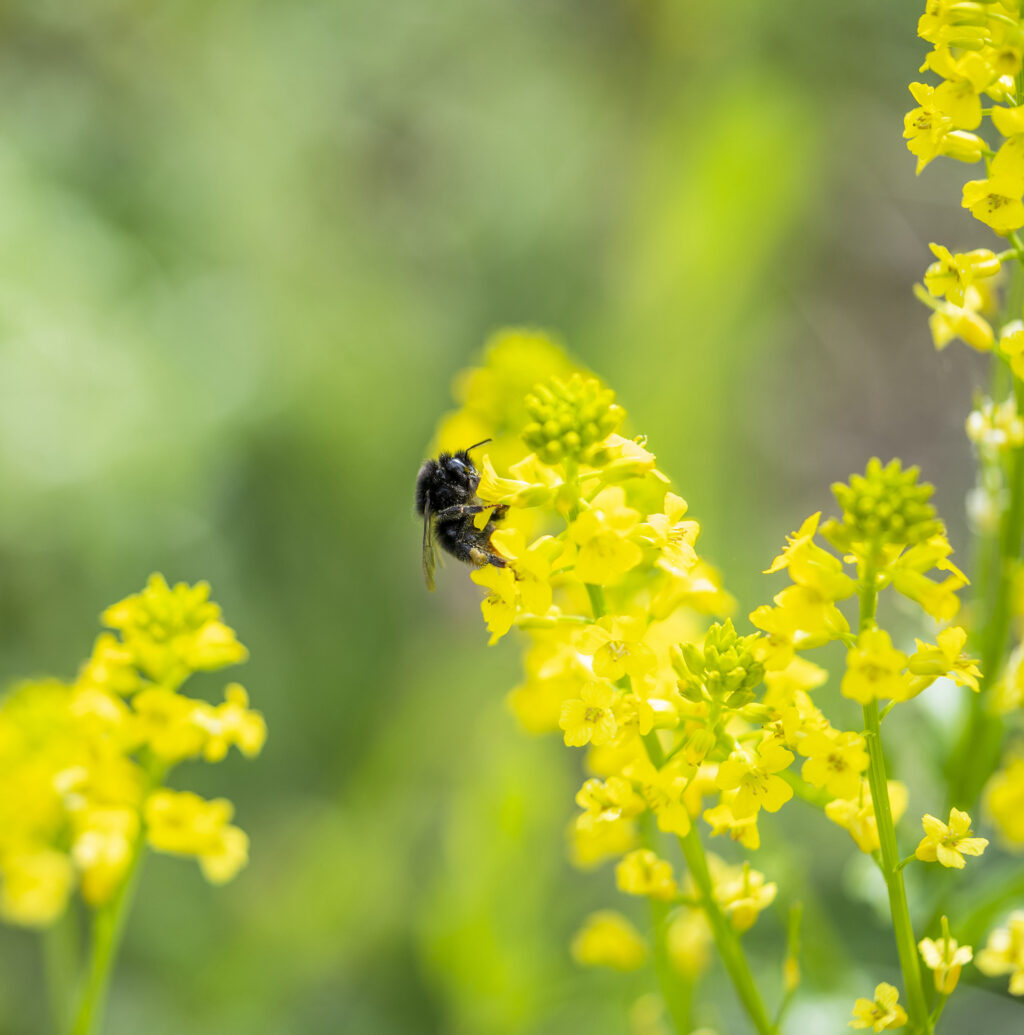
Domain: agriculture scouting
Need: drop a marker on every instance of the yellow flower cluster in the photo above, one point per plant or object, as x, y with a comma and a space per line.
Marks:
683, 723
1004, 953
976, 53
82, 764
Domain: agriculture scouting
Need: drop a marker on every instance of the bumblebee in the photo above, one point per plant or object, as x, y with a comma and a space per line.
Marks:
446, 499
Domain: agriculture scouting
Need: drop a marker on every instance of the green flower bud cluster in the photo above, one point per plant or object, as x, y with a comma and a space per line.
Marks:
724, 670
884, 506
570, 419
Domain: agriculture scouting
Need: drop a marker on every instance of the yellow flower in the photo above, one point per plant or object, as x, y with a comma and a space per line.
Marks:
882, 1012
722, 820
35, 887
857, 814
754, 780
102, 849
1004, 800
588, 719
182, 823
965, 78
950, 321
608, 939
689, 942
811, 566
674, 537
601, 531
951, 275
945, 958
996, 202
643, 873
499, 606
110, 667
607, 801
835, 761
231, 723
173, 632
874, 669
165, 723
743, 894
907, 573
801, 619
1011, 344
948, 844
945, 658
1004, 953
617, 647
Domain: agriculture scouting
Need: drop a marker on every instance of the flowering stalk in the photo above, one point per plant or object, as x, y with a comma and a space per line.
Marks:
107, 930
728, 944
83, 768
892, 871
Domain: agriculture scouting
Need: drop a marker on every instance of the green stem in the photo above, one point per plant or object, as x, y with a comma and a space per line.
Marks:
726, 938
107, 929
676, 990
977, 752
906, 944
61, 960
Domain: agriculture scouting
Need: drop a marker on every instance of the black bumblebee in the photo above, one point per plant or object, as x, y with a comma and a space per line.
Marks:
447, 500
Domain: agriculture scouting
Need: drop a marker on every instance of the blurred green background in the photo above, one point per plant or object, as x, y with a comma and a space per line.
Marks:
244, 248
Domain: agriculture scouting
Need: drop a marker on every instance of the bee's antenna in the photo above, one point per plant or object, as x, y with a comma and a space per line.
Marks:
482, 442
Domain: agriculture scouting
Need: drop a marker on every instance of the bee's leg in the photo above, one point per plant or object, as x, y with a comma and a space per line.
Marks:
500, 510
481, 557
461, 510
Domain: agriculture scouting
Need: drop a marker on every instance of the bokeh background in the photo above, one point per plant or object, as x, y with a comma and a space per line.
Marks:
244, 249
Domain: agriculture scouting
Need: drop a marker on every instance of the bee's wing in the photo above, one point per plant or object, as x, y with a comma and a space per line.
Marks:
429, 550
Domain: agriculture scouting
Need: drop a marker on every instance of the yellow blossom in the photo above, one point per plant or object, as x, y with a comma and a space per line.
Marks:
883, 1012
950, 275
172, 632
608, 800
874, 669
616, 644
182, 823
743, 894
948, 844
811, 566
944, 658
674, 537
835, 761
231, 723
499, 606
1011, 344
1004, 800
689, 942
753, 777
945, 958
642, 873
996, 202
1004, 953
857, 814
608, 939
601, 532
722, 820
588, 719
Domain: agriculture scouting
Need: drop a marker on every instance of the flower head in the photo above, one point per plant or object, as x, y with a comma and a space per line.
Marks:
880, 1013
949, 843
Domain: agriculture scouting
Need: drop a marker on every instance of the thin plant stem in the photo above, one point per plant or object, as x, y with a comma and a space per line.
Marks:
107, 930
61, 962
906, 944
727, 941
726, 938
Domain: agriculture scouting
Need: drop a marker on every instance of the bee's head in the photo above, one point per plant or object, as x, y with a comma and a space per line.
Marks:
446, 481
